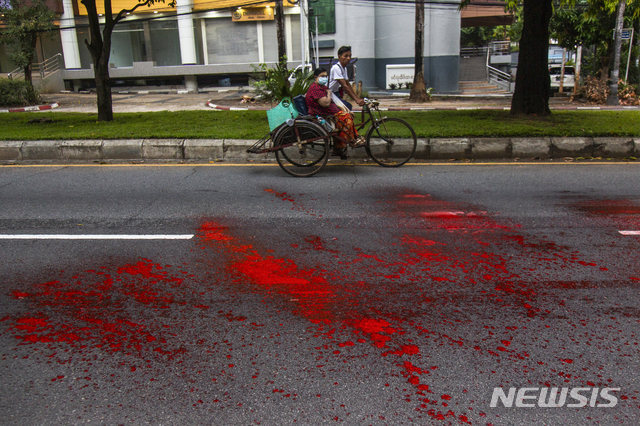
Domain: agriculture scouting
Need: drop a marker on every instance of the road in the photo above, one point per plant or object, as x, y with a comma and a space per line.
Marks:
359, 296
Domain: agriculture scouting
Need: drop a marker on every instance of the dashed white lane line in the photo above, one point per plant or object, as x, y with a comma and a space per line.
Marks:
94, 237
630, 232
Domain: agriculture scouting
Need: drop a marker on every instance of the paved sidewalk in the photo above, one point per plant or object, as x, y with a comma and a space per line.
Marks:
230, 98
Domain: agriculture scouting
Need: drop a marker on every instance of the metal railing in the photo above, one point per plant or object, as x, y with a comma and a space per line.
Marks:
500, 78
494, 75
467, 52
44, 68
500, 47
51, 65
16, 74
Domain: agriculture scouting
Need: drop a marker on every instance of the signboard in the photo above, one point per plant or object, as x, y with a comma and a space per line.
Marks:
626, 34
252, 14
226, 4
397, 74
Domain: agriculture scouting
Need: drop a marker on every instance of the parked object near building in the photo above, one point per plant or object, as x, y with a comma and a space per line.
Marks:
555, 74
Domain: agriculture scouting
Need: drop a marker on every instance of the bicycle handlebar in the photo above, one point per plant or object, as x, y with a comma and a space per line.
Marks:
370, 102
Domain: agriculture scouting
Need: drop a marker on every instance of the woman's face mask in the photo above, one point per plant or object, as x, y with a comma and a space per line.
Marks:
322, 81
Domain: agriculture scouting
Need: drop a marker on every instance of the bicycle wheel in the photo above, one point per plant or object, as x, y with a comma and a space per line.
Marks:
304, 158
391, 142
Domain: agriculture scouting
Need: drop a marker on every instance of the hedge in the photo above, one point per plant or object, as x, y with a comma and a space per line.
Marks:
17, 93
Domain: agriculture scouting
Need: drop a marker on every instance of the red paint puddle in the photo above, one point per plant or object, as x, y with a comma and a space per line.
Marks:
607, 208
295, 205
310, 292
89, 312
450, 252
476, 261
623, 214
319, 297
318, 244
455, 249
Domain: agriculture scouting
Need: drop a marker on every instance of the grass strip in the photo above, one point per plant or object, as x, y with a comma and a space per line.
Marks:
254, 125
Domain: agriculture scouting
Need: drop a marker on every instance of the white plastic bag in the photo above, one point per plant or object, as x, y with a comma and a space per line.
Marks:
336, 100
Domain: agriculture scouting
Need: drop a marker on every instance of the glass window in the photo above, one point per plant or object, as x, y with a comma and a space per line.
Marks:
85, 55
127, 40
270, 41
325, 10
231, 42
165, 42
296, 53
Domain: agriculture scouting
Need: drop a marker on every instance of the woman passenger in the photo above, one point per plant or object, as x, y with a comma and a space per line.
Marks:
319, 103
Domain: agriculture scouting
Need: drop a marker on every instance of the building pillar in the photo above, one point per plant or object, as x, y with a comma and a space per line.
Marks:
191, 83
148, 50
69, 38
185, 30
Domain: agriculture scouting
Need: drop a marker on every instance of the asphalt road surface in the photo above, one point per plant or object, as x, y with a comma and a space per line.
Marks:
446, 294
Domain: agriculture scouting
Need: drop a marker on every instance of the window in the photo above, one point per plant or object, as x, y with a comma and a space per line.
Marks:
325, 10
231, 42
127, 43
165, 42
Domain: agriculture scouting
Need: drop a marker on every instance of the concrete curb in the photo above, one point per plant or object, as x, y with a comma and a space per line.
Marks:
31, 108
235, 150
134, 91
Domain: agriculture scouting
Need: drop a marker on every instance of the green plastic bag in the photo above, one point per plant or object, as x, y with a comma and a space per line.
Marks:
281, 113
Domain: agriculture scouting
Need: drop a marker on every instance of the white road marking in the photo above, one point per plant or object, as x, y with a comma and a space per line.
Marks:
630, 232
94, 237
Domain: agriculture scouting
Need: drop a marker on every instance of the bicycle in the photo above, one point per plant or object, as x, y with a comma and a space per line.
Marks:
302, 145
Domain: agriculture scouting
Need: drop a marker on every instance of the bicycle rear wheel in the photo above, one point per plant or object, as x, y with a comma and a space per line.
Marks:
391, 142
307, 156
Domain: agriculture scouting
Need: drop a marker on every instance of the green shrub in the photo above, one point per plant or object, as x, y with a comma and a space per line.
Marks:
276, 84
16, 93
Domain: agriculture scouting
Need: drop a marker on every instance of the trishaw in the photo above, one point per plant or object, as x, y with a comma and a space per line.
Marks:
302, 144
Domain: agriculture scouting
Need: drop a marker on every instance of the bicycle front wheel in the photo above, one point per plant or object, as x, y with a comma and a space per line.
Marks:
391, 142
305, 156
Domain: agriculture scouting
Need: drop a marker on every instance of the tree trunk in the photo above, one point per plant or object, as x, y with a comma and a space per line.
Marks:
27, 73
100, 49
637, 30
30, 46
576, 74
282, 51
605, 61
564, 58
531, 95
612, 99
103, 88
418, 88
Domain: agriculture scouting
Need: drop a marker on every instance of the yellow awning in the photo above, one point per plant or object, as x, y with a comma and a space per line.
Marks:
199, 5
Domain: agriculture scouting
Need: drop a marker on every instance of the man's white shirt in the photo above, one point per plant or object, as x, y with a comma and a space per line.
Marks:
338, 72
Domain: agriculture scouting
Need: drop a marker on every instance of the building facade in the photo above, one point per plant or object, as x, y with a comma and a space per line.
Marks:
382, 36
202, 43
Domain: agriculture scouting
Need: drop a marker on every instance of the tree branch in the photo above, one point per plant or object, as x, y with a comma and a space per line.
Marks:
123, 12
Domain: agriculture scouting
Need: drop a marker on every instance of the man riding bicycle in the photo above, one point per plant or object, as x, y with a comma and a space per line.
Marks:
339, 78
